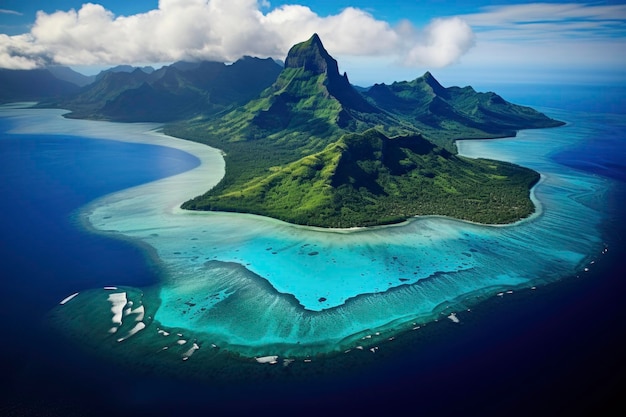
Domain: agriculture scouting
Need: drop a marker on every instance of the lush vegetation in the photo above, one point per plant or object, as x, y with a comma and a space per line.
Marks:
175, 92
448, 114
367, 179
312, 150
303, 145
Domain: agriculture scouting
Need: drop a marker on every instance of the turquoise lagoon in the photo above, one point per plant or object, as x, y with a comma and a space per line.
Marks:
235, 287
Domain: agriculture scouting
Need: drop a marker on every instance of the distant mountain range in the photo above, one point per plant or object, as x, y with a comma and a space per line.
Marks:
33, 85
303, 145
178, 91
49, 83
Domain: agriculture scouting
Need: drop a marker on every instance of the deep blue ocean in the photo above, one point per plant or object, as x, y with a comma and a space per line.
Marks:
557, 352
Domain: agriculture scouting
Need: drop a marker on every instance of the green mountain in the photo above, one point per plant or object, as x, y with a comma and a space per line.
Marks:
313, 150
123, 68
68, 74
303, 145
454, 113
309, 105
175, 92
368, 179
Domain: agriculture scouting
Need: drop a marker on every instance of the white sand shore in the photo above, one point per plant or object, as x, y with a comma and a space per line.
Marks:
139, 311
118, 302
68, 298
454, 318
138, 327
272, 359
190, 351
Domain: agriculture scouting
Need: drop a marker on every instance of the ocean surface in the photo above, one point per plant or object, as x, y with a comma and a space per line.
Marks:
523, 319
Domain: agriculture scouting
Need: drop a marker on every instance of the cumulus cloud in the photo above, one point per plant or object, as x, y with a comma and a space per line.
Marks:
442, 43
20, 52
224, 30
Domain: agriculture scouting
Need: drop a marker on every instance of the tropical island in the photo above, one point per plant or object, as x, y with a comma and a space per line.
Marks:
303, 145
313, 150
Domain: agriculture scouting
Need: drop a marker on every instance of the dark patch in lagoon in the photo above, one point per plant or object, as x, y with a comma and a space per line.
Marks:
314, 253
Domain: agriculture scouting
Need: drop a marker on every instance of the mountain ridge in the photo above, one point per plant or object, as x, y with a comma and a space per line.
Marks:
175, 92
32, 85
313, 150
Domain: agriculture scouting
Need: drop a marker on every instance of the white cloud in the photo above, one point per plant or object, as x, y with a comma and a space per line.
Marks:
20, 52
545, 12
556, 37
549, 22
444, 42
224, 30
5, 11
352, 32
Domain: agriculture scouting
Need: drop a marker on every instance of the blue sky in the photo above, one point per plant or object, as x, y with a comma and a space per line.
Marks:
374, 41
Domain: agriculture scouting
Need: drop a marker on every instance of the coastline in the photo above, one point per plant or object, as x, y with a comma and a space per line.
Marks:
207, 155
417, 243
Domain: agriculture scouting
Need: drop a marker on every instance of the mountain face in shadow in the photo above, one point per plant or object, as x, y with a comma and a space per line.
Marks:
309, 97
175, 92
32, 85
455, 112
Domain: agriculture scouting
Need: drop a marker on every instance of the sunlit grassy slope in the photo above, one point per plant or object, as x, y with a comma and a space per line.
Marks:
368, 179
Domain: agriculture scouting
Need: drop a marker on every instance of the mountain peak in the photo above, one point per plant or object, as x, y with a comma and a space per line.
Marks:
312, 56
433, 83
316, 39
